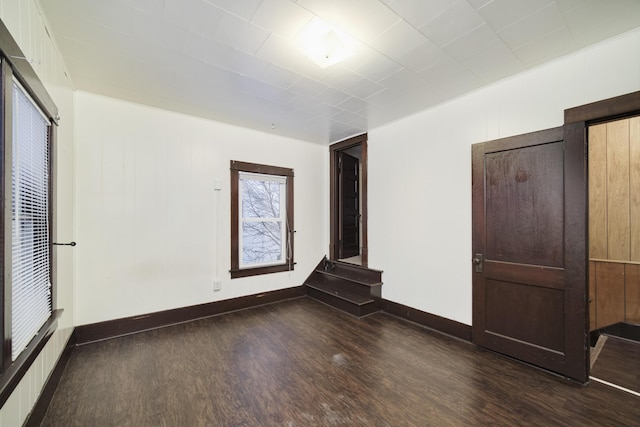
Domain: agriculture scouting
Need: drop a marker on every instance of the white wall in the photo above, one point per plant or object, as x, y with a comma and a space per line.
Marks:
147, 209
420, 170
27, 26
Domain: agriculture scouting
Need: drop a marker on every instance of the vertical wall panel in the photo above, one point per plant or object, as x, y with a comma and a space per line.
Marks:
634, 187
598, 191
610, 291
618, 190
632, 293
593, 296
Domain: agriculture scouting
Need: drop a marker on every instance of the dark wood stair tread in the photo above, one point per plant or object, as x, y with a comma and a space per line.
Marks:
337, 291
357, 280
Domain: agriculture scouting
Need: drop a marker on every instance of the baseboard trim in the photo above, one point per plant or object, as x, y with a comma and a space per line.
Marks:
627, 331
129, 325
431, 321
39, 410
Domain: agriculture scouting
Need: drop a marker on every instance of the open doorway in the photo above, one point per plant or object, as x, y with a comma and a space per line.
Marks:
609, 130
348, 204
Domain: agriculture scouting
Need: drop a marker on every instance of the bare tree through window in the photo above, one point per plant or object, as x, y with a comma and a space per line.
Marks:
262, 219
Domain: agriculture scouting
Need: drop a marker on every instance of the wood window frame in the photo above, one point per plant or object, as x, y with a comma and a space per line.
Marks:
236, 167
13, 64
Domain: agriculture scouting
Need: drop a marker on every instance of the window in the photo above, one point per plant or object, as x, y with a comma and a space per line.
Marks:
261, 219
28, 314
30, 243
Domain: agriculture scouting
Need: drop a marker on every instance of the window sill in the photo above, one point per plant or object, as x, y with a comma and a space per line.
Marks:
10, 379
247, 272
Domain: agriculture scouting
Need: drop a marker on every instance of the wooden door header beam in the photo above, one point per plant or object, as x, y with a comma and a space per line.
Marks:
619, 106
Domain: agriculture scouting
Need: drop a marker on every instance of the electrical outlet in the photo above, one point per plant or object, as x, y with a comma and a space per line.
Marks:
217, 285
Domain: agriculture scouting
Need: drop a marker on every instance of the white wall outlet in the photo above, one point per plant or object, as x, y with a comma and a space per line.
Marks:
217, 185
217, 285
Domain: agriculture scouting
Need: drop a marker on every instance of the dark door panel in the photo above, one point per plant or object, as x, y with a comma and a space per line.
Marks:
349, 205
529, 287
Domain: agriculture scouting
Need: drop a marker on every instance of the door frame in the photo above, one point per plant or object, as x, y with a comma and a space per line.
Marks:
576, 122
334, 231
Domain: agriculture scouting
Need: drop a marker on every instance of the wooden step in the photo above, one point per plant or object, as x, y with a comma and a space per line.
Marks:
352, 272
338, 291
356, 305
350, 288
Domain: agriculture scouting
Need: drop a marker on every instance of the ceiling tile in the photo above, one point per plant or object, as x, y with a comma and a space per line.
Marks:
158, 33
502, 13
346, 117
240, 34
532, 27
478, 39
566, 5
398, 40
494, 63
332, 96
307, 104
401, 80
283, 53
193, 15
152, 7
244, 9
422, 57
282, 17
262, 90
364, 88
549, 46
419, 12
451, 24
340, 78
307, 87
118, 16
245, 64
277, 76
443, 70
601, 19
207, 50
353, 104
371, 64
477, 4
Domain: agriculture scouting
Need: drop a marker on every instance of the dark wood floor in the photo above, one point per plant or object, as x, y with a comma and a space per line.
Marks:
619, 363
300, 363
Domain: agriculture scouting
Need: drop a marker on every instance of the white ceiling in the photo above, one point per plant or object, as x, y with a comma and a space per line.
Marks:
234, 60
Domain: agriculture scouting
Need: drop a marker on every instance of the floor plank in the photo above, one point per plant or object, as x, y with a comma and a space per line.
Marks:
301, 363
619, 363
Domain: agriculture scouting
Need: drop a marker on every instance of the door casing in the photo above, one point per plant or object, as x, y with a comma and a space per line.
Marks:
334, 227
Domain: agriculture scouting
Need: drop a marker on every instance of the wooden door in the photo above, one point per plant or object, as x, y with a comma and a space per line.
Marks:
529, 250
349, 209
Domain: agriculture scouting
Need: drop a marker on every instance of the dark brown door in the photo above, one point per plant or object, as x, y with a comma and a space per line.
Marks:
529, 252
348, 167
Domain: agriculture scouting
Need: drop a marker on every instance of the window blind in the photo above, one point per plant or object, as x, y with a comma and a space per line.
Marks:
31, 285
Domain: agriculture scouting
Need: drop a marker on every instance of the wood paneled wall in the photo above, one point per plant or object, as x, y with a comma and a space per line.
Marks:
614, 222
614, 190
614, 293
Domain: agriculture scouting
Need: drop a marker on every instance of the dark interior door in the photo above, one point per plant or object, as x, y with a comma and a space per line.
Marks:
529, 251
349, 243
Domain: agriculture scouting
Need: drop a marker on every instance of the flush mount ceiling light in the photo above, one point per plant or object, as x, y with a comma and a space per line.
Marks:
324, 44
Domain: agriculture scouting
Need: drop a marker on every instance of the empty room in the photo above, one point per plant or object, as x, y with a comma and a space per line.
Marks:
320, 212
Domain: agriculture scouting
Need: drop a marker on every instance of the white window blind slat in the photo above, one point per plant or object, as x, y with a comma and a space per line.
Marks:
31, 286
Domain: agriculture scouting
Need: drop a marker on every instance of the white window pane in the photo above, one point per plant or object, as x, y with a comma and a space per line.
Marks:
261, 242
260, 199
